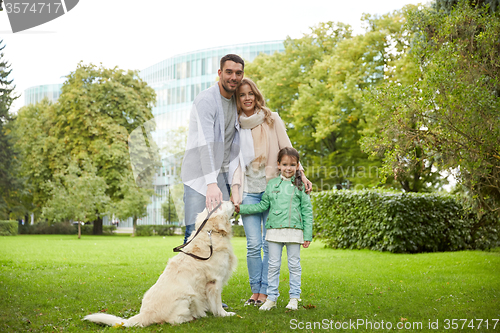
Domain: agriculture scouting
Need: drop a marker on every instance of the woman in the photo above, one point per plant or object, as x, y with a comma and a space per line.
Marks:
263, 134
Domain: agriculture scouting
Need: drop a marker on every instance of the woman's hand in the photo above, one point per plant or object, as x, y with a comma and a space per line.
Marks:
235, 195
306, 244
237, 208
306, 182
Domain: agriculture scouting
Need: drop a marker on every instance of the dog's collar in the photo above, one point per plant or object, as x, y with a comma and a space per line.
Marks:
178, 248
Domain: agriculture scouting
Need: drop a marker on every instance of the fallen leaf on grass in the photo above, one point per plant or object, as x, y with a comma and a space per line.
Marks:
309, 306
119, 325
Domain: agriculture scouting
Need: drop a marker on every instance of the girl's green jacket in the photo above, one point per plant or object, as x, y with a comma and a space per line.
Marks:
288, 207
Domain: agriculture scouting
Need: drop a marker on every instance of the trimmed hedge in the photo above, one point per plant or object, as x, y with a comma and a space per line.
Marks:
155, 229
8, 228
62, 228
238, 231
400, 222
169, 229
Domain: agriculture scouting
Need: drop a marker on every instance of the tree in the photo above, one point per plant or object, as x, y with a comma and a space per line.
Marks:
447, 5
76, 194
317, 85
11, 188
133, 204
168, 209
280, 75
37, 149
450, 108
405, 160
173, 154
96, 111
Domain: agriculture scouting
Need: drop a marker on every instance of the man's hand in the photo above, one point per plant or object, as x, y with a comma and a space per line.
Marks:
306, 244
306, 182
214, 196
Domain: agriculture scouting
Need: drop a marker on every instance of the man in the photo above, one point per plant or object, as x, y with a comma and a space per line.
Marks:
212, 147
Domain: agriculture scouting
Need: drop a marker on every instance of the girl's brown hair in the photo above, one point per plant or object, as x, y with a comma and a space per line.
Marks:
292, 152
260, 103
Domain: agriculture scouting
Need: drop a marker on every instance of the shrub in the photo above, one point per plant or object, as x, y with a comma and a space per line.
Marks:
108, 229
155, 229
25, 229
399, 222
486, 232
165, 230
144, 230
238, 231
62, 228
8, 228
88, 229
44, 228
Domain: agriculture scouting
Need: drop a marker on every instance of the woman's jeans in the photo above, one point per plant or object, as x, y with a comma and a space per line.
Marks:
293, 253
257, 250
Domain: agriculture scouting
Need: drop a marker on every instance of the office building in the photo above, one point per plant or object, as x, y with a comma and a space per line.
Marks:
177, 81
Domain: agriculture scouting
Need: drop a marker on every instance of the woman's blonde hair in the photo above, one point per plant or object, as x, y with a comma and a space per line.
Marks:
260, 103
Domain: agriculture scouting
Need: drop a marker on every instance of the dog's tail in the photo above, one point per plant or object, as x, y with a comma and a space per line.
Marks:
107, 319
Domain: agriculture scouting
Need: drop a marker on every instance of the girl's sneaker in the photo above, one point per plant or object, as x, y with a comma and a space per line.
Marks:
293, 304
268, 305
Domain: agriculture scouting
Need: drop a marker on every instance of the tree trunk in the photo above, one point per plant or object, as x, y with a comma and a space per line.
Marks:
79, 230
98, 226
134, 224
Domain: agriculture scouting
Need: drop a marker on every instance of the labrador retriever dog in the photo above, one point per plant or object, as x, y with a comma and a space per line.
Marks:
188, 287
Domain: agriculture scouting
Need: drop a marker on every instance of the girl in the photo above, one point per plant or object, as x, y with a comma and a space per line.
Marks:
289, 223
262, 135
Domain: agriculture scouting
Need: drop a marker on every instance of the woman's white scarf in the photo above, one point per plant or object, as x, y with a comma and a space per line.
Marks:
253, 139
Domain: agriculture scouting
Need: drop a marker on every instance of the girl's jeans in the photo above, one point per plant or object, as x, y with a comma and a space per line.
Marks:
257, 252
293, 253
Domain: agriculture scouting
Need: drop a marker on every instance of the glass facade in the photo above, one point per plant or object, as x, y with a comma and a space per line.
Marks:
37, 93
176, 81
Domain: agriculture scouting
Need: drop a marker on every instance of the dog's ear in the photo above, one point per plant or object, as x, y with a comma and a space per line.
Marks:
220, 223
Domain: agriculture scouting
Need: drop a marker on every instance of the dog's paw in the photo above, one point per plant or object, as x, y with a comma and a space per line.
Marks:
227, 314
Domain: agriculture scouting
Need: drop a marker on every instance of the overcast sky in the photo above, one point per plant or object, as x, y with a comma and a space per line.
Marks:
137, 34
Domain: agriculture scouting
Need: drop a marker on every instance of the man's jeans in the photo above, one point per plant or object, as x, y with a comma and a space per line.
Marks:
257, 250
195, 203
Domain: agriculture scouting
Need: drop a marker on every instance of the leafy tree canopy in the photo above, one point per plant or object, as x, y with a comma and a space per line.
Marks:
449, 107
447, 5
317, 85
96, 111
12, 189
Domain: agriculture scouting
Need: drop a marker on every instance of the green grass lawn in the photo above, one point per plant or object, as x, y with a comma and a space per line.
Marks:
48, 283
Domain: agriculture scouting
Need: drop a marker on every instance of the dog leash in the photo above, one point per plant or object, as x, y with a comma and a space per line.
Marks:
178, 248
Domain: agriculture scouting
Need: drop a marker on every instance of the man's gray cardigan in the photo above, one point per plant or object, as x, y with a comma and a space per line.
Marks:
205, 143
